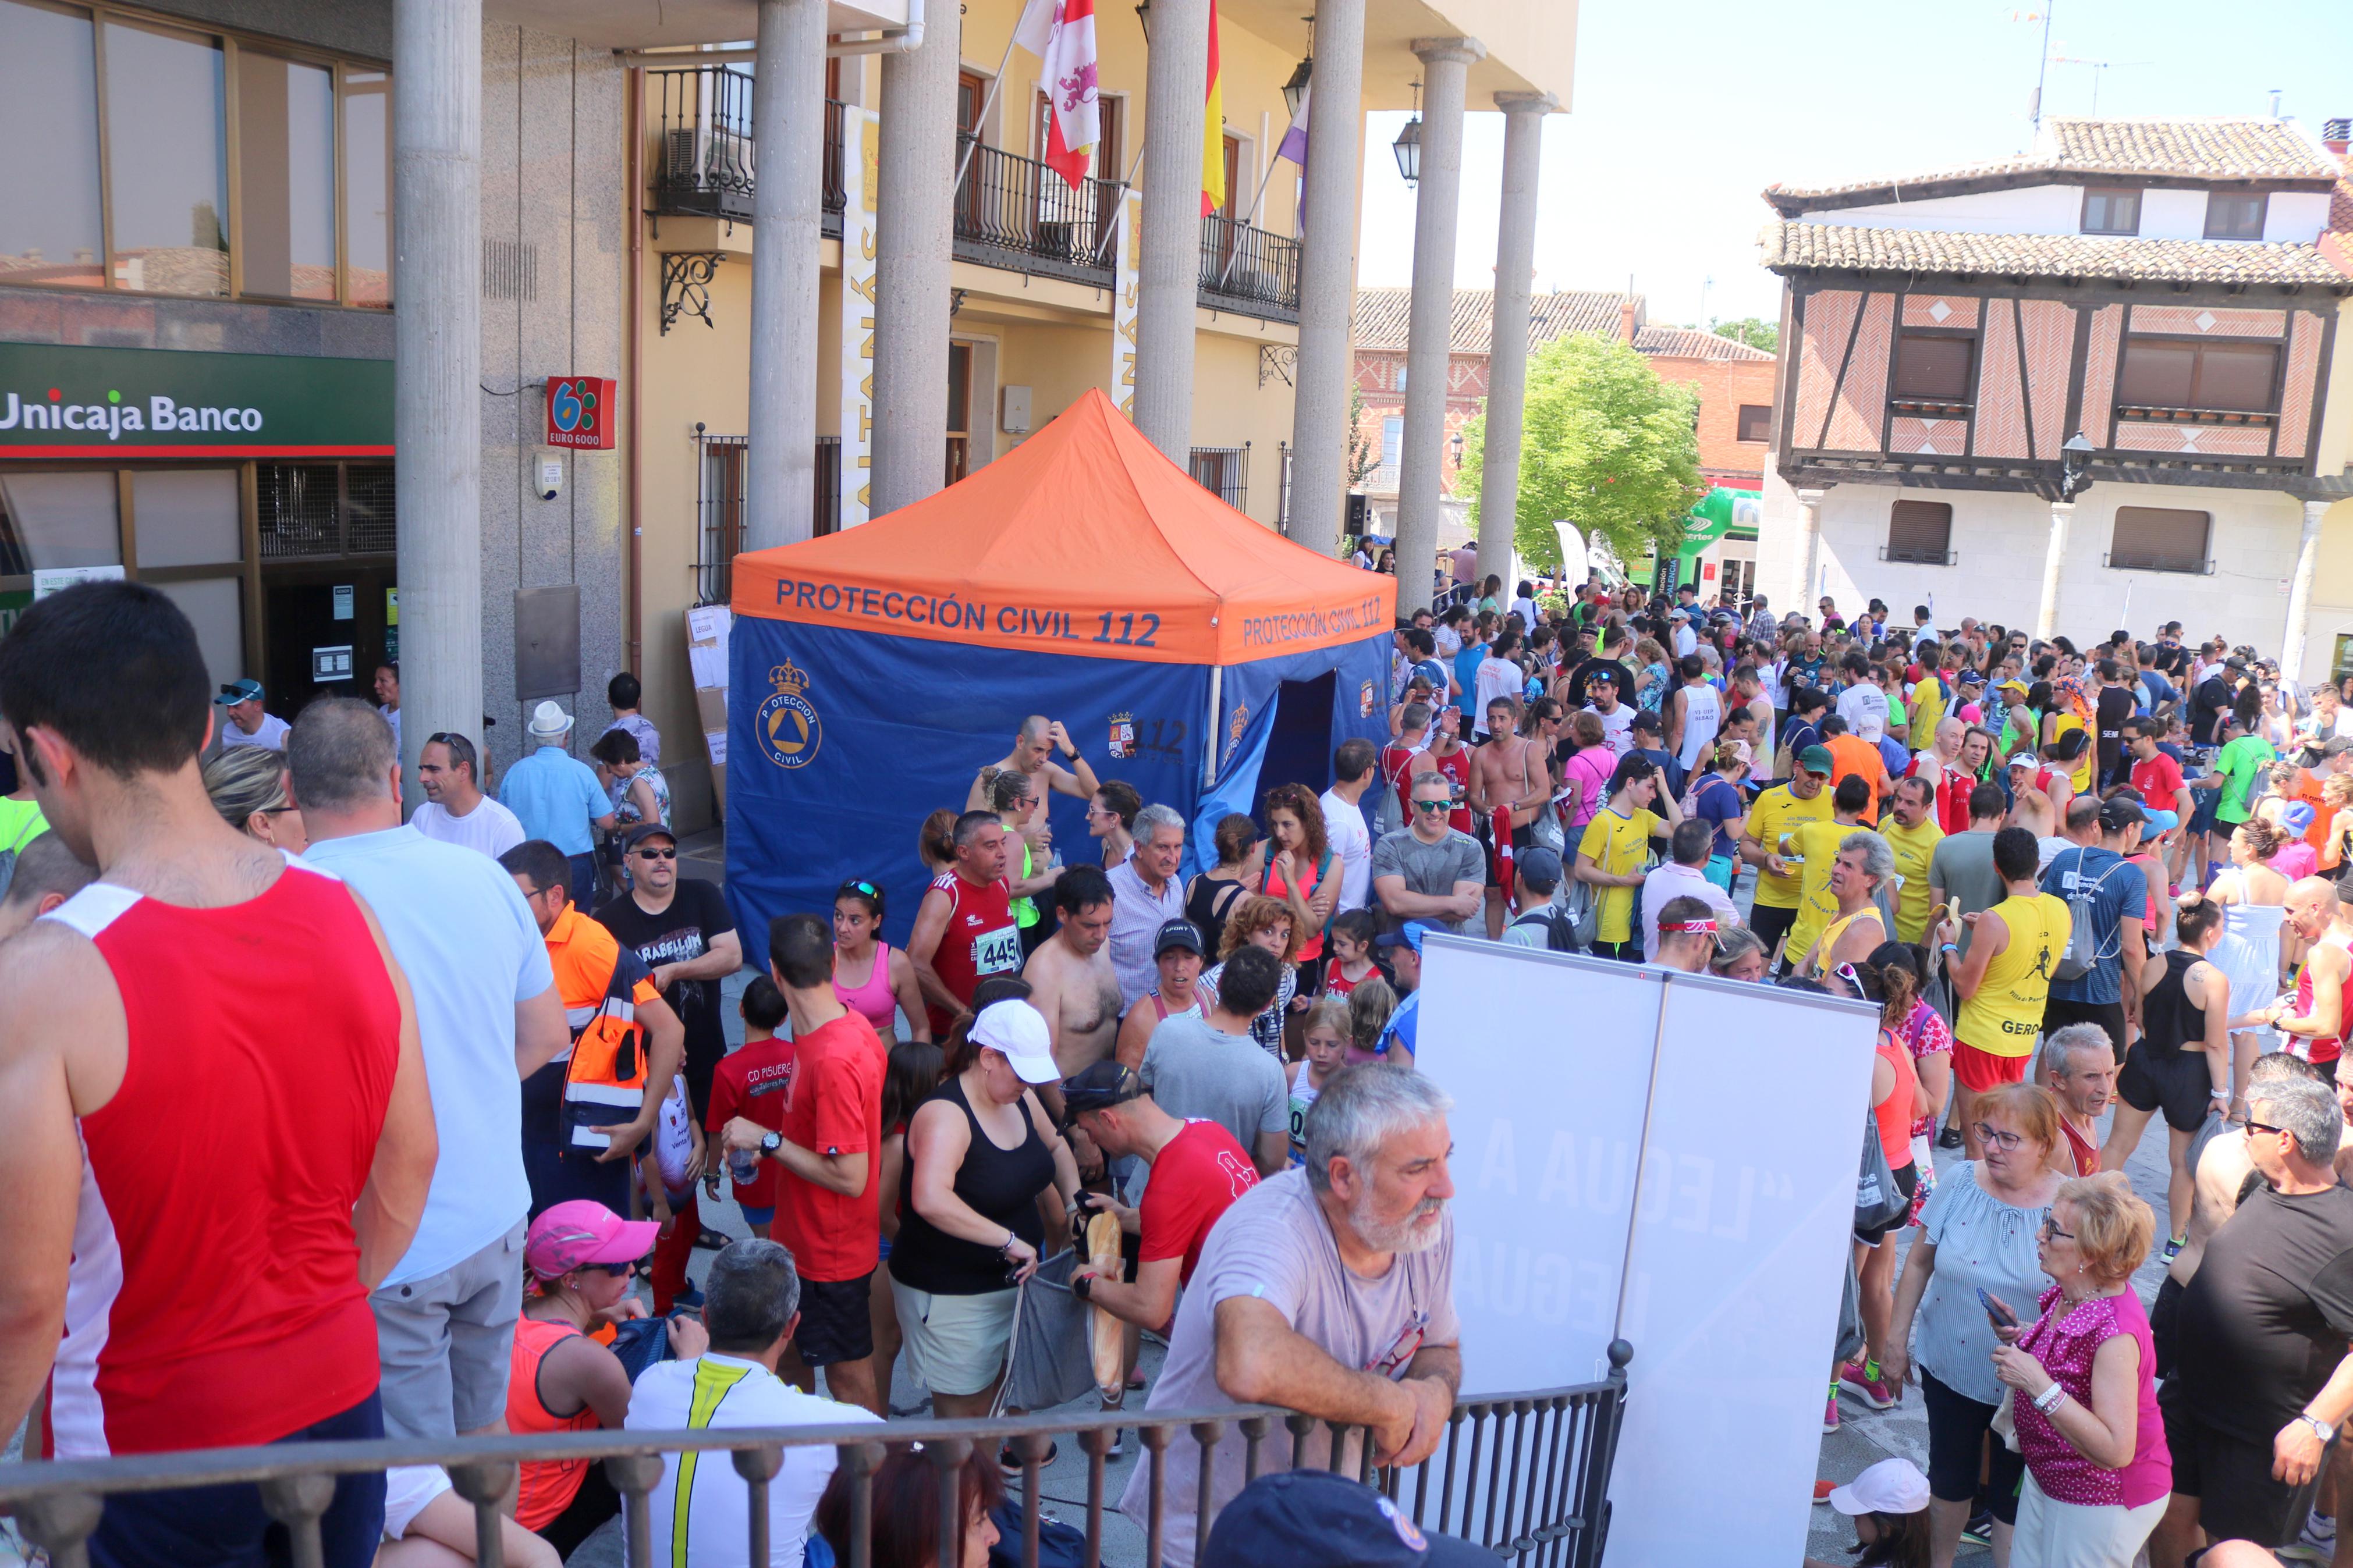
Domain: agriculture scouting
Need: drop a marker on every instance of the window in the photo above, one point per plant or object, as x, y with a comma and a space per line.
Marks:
1933, 369
303, 213
1392, 440
1397, 376
2235, 214
1920, 532
2221, 377
1756, 422
959, 447
59, 519
2159, 539
2110, 209
1224, 472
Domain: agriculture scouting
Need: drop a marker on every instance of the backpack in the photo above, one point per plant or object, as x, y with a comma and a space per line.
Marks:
2084, 953
1558, 925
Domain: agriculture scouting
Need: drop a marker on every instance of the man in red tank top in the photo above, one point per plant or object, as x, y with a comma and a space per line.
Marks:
2314, 1023
964, 929
156, 1127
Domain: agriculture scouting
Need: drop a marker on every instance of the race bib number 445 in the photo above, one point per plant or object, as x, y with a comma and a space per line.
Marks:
997, 952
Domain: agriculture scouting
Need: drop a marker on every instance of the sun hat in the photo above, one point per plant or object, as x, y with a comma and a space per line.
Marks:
548, 722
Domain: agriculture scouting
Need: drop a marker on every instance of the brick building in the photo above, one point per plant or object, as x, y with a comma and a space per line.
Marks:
1734, 382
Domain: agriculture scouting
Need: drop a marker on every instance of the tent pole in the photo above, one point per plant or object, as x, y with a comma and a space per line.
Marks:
1210, 757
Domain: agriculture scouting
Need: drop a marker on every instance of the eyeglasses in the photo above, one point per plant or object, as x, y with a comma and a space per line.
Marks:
1431, 804
670, 854
2050, 1230
2005, 1141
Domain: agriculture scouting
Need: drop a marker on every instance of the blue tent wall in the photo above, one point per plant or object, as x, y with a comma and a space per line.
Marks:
903, 725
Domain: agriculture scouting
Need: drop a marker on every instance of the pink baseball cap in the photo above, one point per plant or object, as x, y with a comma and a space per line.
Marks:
571, 1234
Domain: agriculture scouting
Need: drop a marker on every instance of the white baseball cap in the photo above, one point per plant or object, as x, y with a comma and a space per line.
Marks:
1890, 1486
1018, 1030
549, 720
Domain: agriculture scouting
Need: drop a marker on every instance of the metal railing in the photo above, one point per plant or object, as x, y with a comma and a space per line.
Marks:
719, 482
1524, 1475
1249, 270
1224, 472
1016, 213
706, 155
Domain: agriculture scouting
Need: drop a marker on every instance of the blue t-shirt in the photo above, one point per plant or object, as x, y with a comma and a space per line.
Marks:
1717, 803
1669, 769
2154, 690
555, 797
457, 925
1466, 672
1401, 1028
2118, 891
1432, 670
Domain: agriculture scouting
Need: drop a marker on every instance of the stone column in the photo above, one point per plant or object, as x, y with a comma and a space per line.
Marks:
1327, 369
1446, 70
2054, 556
1507, 351
1808, 552
1176, 80
788, 126
911, 240
436, 355
2299, 592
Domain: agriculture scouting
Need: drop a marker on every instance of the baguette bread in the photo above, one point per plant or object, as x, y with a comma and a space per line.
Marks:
1110, 1333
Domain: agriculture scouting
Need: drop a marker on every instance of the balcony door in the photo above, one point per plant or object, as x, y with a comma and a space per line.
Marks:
1057, 204
959, 453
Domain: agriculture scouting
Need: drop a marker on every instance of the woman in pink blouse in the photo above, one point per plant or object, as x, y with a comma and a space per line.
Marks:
2084, 1389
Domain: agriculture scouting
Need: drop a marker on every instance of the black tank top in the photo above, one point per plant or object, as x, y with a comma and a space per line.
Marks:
1206, 906
2168, 1015
1000, 1184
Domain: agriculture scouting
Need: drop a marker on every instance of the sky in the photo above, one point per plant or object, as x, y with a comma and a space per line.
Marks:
1683, 111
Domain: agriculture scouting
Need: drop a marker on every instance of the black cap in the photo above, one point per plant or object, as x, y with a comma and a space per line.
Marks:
1181, 934
643, 831
1295, 1517
2117, 812
1106, 1083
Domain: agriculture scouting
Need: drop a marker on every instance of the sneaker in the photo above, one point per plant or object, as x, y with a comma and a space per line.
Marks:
1009, 1462
2319, 1531
690, 1297
2173, 1247
1118, 1449
1875, 1391
1830, 1415
1979, 1529
1950, 1138
1823, 1490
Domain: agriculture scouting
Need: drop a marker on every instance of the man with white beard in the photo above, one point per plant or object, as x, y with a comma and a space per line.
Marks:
1327, 1290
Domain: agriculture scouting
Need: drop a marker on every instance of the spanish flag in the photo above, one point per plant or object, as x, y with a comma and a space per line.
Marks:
1213, 129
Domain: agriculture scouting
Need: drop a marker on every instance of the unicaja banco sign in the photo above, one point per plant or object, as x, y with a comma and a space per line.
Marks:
59, 402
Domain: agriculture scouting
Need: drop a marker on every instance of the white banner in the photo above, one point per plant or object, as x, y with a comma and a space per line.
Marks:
1600, 1194
1127, 259
857, 182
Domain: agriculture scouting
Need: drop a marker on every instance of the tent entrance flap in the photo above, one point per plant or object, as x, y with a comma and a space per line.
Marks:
1299, 750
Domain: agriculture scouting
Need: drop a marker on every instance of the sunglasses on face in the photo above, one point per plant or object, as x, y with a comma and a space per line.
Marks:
2253, 1126
671, 854
617, 1270
1431, 804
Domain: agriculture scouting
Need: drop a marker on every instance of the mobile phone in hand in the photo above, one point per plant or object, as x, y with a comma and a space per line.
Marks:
2004, 1318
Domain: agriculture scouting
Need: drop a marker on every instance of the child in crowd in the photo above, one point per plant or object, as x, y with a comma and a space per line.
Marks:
755, 1082
1328, 1049
666, 1177
1351, 953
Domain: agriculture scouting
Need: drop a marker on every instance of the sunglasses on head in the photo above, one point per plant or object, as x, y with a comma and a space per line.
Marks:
863, 888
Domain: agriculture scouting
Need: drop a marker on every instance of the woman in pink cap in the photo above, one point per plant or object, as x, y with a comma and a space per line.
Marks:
582, 1256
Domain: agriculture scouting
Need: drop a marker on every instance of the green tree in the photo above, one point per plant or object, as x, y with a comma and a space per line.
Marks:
1364, 452
1605, 444
1754, 330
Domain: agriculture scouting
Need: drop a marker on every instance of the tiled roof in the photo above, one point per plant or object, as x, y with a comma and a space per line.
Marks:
1807, 246
2216, 149
1382, 316
1691, 342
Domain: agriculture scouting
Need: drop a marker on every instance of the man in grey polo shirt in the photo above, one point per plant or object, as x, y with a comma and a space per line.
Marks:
1145, 896
487, 1015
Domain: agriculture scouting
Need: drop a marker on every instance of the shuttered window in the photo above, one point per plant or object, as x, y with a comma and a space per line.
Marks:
1920, 532
1933, 369
2160, 539
2221, 377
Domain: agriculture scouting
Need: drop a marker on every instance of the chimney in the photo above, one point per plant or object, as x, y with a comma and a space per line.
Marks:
1626, 320
2335, 134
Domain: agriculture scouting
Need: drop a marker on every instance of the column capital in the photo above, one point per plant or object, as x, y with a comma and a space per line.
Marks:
1449, 51
1528, 102
2316, 509
2062, 509
1810, 500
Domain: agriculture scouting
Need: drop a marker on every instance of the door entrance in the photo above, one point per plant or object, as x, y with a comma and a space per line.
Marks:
322, 632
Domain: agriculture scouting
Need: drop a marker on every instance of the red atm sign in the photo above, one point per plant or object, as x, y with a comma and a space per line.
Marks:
580, 410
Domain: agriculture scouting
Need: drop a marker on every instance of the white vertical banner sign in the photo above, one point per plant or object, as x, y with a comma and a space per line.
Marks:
859, 177
1127, 260
1597, 1198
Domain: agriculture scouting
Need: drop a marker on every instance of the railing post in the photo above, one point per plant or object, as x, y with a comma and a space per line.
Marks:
947, 1455
759, 1466
1254, 1431
1095, 1442
860, 1460
485, 1484
1206, 1434
1300, 1427
296, 1502
1031, 1446
633, 1476
1155, 1447
60, 1524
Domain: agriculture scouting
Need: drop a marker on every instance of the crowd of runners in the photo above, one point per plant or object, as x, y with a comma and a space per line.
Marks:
2079, 882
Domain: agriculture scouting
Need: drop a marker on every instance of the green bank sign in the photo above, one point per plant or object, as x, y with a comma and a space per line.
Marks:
153, 403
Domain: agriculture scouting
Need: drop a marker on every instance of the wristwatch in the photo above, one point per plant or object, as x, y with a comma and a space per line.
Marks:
1083, 1288
2321, 1429
771, 1142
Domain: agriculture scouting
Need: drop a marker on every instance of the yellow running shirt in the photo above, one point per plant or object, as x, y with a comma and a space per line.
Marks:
2006, 1014
1616, 846
1815, 843
1912, 847
1776, 812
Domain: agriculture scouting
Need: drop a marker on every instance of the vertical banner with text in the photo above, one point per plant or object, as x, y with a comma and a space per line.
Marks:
1127, 259
859, 178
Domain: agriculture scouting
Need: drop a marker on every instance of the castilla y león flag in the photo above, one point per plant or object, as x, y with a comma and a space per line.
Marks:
1063, 36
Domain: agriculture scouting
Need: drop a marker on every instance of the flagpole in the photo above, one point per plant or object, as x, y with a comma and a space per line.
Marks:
964, 160
1234, 254
1124, 185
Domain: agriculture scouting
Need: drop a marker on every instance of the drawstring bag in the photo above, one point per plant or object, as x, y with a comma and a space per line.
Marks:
1879, 1203
1050, 1359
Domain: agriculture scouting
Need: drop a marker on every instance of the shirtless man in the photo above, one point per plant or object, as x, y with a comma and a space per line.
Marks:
1071, 978
2313, 1018
1509, 784
1033, 753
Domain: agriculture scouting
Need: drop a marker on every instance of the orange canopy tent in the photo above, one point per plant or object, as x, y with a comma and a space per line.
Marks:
1186, 650
1083, 540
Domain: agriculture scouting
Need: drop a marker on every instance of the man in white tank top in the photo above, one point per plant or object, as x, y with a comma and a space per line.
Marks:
1695, 712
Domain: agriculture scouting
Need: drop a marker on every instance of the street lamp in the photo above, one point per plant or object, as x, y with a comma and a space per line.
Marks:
1296, 88
2073, 458
1457, 445
1408, 145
